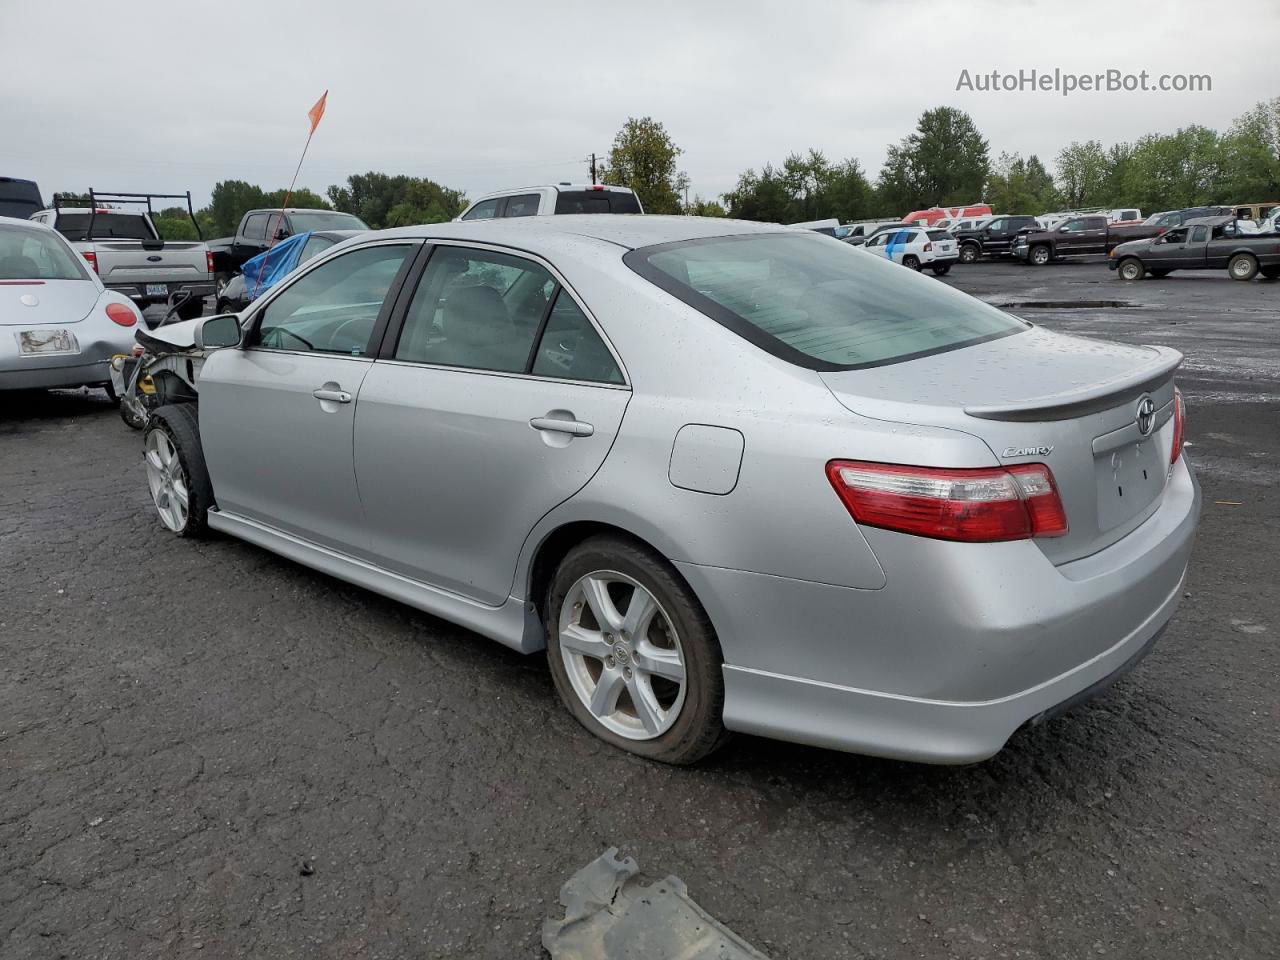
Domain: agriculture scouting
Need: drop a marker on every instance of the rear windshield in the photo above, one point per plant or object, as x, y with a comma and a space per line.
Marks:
18, 198
325, 220
106, 226
939, 235
597, 201
817, 303
27, 254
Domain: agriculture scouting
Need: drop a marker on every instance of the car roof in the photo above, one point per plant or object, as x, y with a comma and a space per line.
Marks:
1212, 221
19, 222
629, 230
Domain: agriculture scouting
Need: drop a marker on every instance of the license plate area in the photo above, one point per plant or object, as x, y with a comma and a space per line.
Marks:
50, 341
157, 289
1129, 478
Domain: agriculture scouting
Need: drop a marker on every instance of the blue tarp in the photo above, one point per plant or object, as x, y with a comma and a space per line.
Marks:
264, 271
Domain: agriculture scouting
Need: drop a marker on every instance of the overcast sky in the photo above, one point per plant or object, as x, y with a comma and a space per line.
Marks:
481, 95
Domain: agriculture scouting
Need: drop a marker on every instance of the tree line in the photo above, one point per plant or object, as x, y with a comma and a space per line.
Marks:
944, 161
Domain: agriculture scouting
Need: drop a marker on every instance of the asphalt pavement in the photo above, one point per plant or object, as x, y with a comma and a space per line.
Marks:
209, 751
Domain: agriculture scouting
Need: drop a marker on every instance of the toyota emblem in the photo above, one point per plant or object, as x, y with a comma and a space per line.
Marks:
1146, 415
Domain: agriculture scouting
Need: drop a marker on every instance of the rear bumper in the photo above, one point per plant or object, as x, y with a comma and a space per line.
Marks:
137, 291
92, 365
957, 651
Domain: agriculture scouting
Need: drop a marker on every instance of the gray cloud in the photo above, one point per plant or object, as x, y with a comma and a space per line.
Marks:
176, 95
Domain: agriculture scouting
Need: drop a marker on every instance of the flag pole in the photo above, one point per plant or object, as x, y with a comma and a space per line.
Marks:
271, 242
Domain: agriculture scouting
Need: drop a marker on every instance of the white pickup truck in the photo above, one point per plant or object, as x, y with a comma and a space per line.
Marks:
128, 254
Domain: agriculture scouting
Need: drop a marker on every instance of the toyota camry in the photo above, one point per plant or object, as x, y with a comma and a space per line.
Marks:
728, 476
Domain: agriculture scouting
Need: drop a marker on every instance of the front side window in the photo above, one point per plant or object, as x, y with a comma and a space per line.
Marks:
818, 304
1176, 236
484, 210
996, 226
255, 228
1071, 226
333, 308
27, 254
879, 240
525, 205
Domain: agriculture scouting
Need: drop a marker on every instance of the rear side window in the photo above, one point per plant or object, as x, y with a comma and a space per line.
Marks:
570, 348
106, 226
597, 201
255, 227
1199, 234
818, 304
524, 205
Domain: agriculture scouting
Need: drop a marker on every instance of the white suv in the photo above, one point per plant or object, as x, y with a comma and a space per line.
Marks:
560, 198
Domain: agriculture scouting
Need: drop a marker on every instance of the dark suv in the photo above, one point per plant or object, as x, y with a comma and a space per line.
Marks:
992, 239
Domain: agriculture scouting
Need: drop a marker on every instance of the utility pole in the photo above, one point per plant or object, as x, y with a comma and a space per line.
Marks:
593, 169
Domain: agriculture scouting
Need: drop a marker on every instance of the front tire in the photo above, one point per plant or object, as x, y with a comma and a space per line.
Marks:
1243, 266
176, 473
1131, 269
633, 654
1040, 255
911, 262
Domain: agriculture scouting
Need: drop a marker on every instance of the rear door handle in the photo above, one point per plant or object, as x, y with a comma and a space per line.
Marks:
337, 396
575, 428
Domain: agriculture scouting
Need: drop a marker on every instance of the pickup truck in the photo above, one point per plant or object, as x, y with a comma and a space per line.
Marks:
128, 254
1091, 234
993, 239
259, 229
1207, 243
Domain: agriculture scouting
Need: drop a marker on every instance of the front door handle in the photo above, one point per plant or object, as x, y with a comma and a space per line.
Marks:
330, 393
574, 428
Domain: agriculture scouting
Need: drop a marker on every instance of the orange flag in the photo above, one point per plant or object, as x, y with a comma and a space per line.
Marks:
316, 112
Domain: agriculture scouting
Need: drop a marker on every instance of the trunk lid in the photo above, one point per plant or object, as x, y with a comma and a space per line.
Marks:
1041, 397
57, 303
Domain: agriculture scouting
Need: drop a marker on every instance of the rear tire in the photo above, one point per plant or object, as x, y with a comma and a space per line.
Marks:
606, 657
176, 473
911, 262
1131, 269
941, 271
1243, 266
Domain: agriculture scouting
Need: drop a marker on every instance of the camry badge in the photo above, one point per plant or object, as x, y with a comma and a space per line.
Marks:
1145, 416
1041, 451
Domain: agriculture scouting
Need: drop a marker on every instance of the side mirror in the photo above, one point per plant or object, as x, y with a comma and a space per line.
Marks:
220, 331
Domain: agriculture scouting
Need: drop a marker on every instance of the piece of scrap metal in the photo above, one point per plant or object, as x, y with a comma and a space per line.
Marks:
610, 915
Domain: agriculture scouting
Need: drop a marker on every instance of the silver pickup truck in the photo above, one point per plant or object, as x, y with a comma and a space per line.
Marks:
130, 257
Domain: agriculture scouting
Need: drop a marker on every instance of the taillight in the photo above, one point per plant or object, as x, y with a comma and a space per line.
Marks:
1179, 425
981, 505
91, 258
121, 315
208, 261
928, 248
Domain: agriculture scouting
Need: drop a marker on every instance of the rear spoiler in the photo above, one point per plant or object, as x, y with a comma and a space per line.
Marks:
1090, 399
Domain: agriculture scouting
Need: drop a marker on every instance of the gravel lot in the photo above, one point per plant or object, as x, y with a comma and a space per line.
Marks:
209, 751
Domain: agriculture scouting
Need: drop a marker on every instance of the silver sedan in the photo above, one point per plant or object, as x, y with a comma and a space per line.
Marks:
59, 327
729, 476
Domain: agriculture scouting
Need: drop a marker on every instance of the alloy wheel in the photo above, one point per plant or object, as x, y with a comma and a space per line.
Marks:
167, 480
622, 655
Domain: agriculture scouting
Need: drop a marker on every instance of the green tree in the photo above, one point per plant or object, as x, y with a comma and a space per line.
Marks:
230, 200
943, 162
1082, 174
1181, 169
174, 223
705, 208
1020, 186
300, 199
759, 196
382, 200
807, 187
1251, 155
643, 157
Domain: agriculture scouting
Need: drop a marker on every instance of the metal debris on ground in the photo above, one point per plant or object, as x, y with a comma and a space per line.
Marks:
610, 915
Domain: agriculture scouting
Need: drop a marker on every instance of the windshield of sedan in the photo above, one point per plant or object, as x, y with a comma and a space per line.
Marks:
27, 254
819, 303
